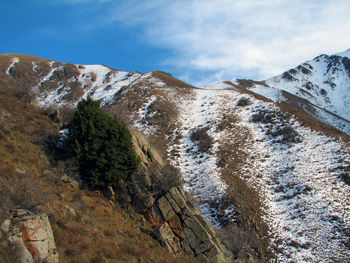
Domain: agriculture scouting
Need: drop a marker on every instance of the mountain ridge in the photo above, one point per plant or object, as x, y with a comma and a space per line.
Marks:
322, 81
256, 167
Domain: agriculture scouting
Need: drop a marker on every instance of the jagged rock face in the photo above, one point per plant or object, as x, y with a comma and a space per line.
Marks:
144, 150
181, 229
178, 226
30, 238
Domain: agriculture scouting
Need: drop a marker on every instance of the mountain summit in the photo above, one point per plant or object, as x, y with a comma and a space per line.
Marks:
322, 83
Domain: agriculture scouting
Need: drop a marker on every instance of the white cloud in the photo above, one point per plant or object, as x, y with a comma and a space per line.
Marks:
228, 39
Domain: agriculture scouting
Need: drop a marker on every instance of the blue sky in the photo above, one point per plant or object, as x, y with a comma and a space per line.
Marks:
198, 41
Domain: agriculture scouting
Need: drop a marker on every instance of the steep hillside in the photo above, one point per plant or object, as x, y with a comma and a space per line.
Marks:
150, 204
322, 87
272, 179
87, 227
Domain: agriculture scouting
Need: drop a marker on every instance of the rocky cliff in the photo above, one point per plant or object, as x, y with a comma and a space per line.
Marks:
156, 192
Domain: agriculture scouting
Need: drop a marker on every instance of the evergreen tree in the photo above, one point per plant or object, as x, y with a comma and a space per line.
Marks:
101, 144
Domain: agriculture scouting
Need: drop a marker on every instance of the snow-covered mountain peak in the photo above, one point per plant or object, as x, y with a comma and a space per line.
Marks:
322, 84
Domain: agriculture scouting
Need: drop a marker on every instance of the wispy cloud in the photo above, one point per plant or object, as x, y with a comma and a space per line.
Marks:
229, 39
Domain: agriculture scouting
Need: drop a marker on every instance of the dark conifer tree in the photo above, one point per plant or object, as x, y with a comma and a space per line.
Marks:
101, 144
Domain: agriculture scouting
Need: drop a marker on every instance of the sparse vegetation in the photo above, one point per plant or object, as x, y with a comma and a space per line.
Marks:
346, 63
243, 102
323, 92
278, 127
25, 94
304, 70
202, 138
98, 230
101, 144
248, 83
76, 92
170, 177
287, 133
23, 190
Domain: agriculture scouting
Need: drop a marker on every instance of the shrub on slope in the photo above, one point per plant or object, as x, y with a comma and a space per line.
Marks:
101, 144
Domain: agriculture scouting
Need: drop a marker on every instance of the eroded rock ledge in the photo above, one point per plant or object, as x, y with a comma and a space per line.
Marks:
177, 224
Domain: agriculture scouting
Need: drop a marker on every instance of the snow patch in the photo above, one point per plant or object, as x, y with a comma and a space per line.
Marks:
14, 62
268, 92
327, 85
144, 114
99, 82
199, 169
49, 97
35, 67
106, 83
297, 173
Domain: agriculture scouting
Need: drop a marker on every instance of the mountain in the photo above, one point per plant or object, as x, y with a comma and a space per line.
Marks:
263, 168
321, 87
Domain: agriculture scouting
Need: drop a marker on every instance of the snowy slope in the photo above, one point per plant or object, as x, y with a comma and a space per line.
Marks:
298, 179
199, 169
306, 204
323, 81
99, 82
296, 172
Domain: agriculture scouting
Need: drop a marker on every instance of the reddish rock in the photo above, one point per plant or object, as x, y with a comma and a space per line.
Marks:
154, 216
31, 239
176, 226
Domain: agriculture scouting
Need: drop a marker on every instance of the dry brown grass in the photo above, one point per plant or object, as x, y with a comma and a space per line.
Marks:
24, 76
170, 81
248, 83
291, 107
101, 232
163, 113
201, 137
246, 91
307, 120
247, 232
87, 228
22, 79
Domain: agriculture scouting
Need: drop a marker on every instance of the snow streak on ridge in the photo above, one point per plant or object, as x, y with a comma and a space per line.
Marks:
14, 61
199, 169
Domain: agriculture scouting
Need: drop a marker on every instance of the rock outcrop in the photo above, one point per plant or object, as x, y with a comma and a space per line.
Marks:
30, 237
156, 193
